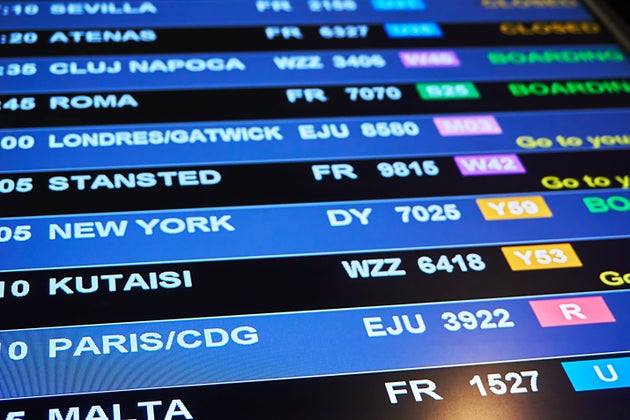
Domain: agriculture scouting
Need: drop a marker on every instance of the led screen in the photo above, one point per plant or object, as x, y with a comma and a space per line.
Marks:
367, 209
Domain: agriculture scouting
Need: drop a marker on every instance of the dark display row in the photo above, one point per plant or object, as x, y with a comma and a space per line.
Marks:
351, 35
543, 389
280, 183
219, 288
92, 108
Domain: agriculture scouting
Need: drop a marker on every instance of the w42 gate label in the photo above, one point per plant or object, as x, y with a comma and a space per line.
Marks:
489, 165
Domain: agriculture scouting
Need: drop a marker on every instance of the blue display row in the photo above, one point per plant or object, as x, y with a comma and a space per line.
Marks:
120, 14
302, 344
307, 139
331, 227
74, 74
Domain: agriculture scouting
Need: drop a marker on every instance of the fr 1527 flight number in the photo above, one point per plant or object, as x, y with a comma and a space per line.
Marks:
511, 382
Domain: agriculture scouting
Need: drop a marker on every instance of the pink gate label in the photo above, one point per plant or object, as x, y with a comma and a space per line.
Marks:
429, 58
571, 311
489, 165
467, 126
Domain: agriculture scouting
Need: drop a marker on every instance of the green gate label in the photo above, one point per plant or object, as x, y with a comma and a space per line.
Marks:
447, 91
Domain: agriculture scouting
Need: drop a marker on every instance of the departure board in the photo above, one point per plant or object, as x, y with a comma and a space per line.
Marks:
313, 209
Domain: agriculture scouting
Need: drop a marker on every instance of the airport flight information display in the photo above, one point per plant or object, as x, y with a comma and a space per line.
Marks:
313, 209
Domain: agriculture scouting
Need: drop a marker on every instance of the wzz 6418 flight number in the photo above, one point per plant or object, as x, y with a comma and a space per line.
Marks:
429, 265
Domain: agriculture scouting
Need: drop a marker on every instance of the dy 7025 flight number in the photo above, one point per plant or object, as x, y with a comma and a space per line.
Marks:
430, 213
